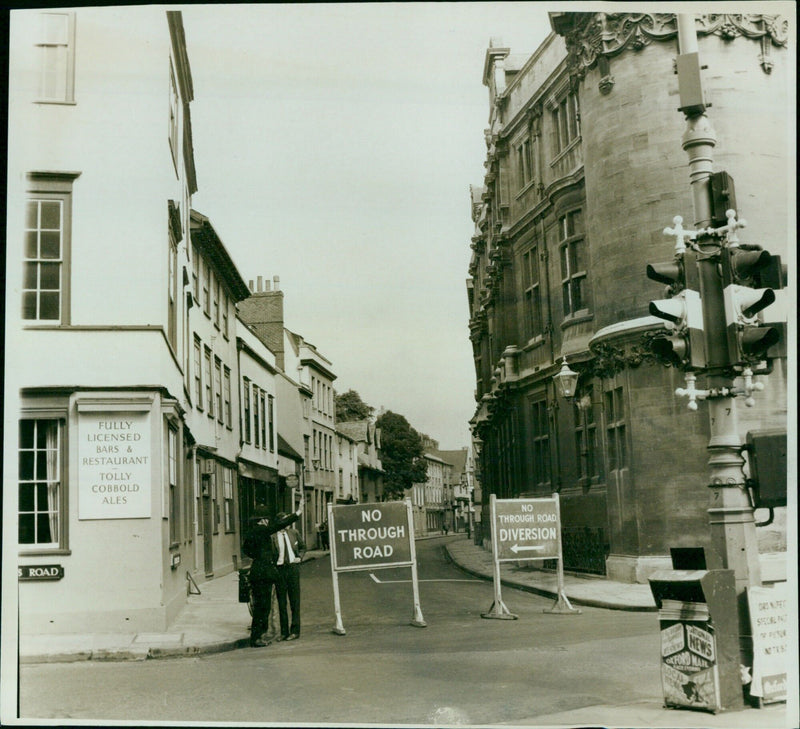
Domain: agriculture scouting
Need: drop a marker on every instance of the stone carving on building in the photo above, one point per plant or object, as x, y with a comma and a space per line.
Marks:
609, 360
592, 36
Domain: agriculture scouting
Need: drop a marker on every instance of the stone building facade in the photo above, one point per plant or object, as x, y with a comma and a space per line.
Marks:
584, 170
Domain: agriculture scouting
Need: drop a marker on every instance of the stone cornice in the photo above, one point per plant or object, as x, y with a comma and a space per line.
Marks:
591, 36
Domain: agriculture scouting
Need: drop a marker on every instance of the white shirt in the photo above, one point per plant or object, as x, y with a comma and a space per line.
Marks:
286, 554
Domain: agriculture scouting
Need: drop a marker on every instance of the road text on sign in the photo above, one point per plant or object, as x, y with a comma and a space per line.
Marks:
527, 529
43, 572
371, 535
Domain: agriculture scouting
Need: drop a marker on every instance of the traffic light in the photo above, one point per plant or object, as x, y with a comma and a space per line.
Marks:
682, 345
747, 274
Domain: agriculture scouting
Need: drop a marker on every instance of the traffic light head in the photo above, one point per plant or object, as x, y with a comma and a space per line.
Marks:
672, 311
749, 340
669, 273
683, 344
671, 348
746, 265
755, 342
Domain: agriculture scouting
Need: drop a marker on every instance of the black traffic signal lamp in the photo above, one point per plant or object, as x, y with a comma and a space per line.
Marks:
747, 273
682, 344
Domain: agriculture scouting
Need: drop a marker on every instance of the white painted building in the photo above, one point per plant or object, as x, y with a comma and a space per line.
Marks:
312, 370
258, 459
214, 415
347, 486
101, 174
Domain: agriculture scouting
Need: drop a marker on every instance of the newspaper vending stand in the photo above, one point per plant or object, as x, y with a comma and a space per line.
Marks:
699, 638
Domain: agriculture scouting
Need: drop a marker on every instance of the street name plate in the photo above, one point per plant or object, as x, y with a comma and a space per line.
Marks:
365, 536
526, 529
40, 572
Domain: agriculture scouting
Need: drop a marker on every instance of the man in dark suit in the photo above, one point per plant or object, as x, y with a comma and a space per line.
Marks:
260, 545
289, 547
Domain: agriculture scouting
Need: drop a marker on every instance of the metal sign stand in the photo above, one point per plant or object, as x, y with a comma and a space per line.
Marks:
498, 611
417, 620
562, 604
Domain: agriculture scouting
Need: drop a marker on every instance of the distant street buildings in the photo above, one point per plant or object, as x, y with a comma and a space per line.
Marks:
584, 170
161, 398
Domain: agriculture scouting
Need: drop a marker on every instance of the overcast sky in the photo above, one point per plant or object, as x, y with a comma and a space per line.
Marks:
335, 146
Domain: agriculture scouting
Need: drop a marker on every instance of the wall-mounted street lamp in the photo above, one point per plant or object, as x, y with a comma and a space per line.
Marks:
566, 380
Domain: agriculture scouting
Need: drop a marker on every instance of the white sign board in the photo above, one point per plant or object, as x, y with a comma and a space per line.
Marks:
114, 468
769, 619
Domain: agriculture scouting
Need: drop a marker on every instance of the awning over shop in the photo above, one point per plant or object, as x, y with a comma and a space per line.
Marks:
257, 472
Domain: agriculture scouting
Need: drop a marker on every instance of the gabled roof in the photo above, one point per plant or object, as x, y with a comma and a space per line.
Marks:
458, 459
286, 450
210, 245
357, 430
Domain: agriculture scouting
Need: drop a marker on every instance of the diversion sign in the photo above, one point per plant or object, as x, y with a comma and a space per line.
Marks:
527, 529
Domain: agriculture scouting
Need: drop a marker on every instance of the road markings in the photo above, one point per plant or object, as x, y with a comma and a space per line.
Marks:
386, 582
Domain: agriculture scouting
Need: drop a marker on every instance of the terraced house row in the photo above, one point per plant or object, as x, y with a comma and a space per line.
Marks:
157, 396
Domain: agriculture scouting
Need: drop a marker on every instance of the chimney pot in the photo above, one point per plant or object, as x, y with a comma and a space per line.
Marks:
260, 284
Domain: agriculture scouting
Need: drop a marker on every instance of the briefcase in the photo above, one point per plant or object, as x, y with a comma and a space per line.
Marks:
244, 587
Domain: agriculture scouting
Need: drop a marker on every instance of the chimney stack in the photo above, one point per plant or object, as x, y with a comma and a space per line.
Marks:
263, 313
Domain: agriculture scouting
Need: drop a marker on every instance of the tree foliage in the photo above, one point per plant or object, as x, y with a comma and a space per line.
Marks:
402, 455
350, 406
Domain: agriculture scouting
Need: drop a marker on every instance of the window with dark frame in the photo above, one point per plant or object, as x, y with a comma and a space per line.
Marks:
198, 373
40, 482
271, 418
615, 430
572, 252
172, 296
566, 125
209, 382
195, 274
589, 461
227, 496
172, 473
256, 418
226, 392
262, 396
46, 253
540, 432
246, 409
215, 290
206, 289
525, 162
218, 389
173, 115
532, 293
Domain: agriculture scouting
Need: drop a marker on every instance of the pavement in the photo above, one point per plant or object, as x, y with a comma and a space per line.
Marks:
214, 621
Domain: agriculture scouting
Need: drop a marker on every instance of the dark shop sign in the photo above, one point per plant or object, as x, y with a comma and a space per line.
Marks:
36, 572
